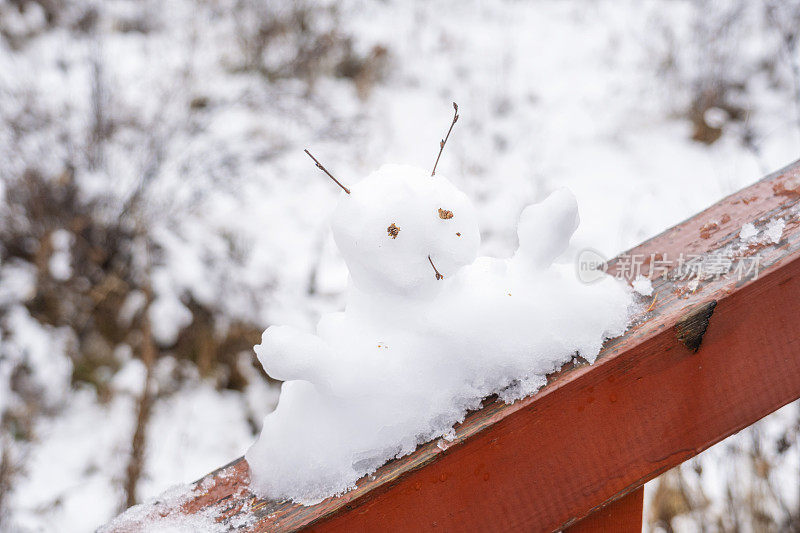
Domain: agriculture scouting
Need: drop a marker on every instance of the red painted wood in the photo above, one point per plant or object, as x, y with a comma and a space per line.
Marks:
595, 433
607, 428
621, 516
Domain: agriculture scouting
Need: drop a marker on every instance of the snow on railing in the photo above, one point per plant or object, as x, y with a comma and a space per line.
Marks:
716, 347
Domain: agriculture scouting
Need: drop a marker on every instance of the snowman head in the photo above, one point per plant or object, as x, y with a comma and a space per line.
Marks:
399, 226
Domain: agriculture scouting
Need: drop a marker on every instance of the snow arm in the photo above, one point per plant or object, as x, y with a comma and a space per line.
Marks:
287, 354
546, 228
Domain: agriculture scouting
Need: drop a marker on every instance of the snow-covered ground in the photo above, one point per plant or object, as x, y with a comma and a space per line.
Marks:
601, 97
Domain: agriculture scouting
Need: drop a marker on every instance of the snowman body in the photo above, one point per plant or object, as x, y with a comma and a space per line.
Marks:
412, 352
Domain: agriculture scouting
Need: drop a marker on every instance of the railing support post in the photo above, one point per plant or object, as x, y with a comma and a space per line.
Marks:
621, 516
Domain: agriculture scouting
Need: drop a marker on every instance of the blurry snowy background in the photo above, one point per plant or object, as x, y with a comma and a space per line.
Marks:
157, 211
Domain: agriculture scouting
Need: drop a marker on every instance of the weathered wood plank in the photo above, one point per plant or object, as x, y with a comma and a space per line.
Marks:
595, 433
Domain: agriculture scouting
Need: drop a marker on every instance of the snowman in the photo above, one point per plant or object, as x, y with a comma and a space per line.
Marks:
428, 331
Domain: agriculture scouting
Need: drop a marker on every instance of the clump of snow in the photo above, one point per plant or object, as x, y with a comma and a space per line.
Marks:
693, 284
163, 515
775, 229
60, 262
131, 376
168, 315
643, 286
771, 233
134, 303
411, 354
748, 232
40, 349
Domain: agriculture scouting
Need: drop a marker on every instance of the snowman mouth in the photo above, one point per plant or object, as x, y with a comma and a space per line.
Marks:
438, 275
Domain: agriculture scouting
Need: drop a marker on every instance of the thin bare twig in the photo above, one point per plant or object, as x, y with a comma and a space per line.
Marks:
7, 472
325, 170
652, 304
444, 141
438, 276
143, 408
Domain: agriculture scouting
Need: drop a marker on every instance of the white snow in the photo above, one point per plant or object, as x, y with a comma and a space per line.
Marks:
168, 316
770, 233
748, 232
59, 263
76, 476
411, 353
162, 515
167, 313
221, 436
774, 229
643, 286
41, 349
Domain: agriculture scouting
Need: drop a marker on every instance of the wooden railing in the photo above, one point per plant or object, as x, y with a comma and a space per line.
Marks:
707, 358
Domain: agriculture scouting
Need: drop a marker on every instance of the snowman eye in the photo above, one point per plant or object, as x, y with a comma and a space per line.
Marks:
393, 231
444, 214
